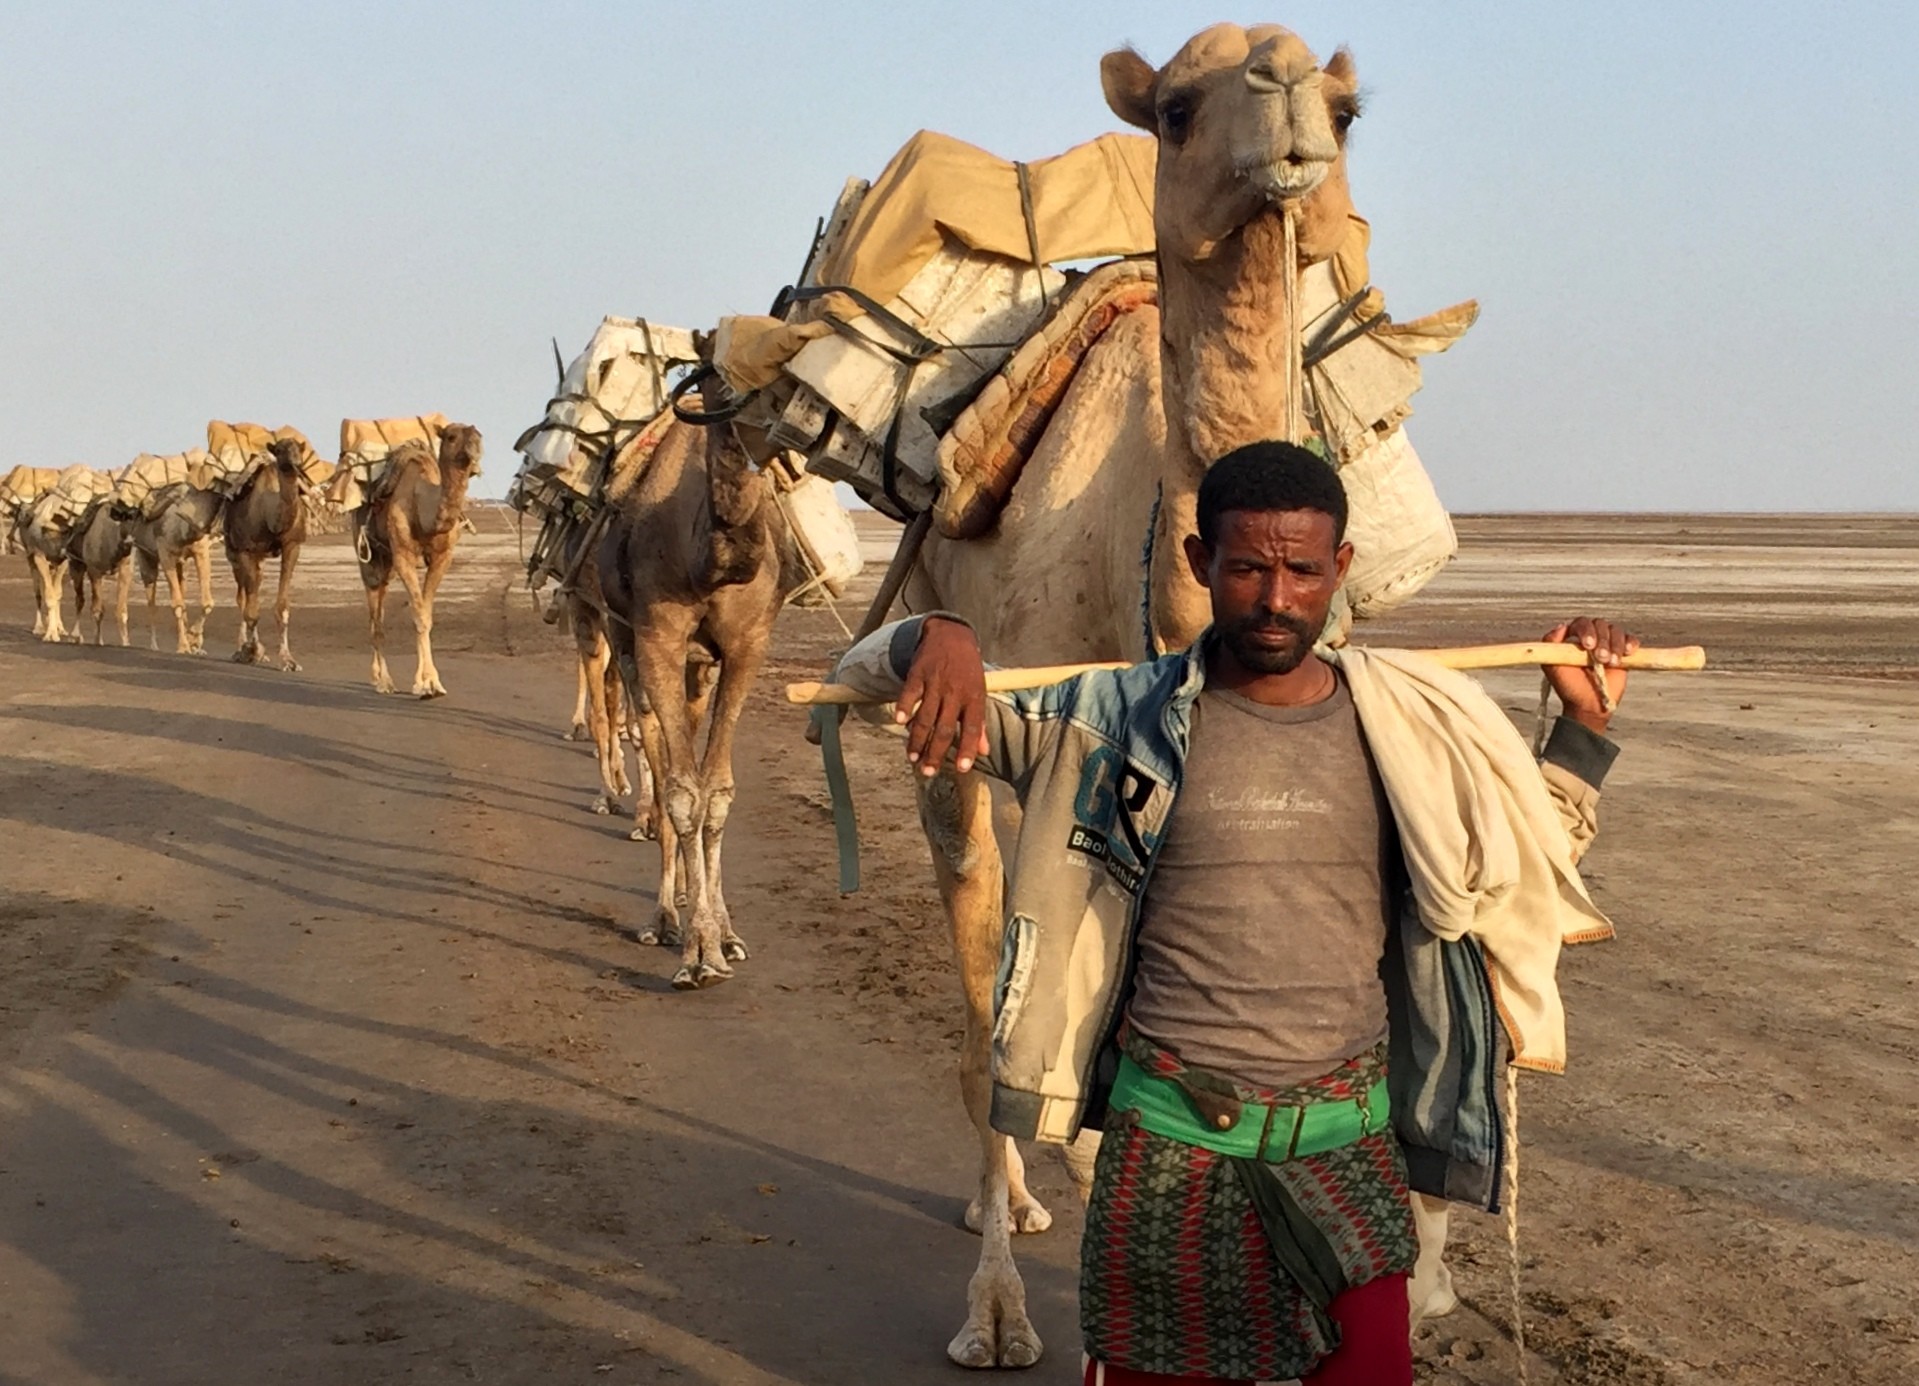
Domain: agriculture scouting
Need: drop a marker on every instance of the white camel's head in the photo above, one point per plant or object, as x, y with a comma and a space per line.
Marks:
1247, 119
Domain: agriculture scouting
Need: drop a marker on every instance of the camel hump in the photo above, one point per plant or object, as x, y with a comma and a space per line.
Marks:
416, 453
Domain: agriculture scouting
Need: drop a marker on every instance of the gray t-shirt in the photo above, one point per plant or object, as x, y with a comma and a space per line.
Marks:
1265, 919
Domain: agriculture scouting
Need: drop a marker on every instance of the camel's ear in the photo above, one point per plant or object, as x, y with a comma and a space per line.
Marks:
1128, 80
1340, 67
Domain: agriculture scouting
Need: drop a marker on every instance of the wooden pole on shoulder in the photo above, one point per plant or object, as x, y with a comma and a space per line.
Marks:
1684, 658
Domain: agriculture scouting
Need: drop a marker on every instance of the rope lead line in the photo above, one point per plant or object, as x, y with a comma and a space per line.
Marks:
1512, 1217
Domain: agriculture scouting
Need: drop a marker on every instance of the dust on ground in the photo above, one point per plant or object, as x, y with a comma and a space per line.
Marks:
326, 1055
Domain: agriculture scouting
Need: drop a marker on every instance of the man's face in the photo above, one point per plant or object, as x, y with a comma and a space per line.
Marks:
1272, 576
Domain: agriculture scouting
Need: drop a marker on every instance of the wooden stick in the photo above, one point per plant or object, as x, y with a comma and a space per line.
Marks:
1684, 658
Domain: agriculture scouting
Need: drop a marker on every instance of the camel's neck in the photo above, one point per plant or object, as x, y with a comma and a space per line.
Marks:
1224, 345
736, 488
455, 473
288, 476
1225, 339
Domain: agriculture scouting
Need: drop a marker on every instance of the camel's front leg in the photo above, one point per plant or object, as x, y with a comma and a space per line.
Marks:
740, 662
665, 929
289, 559
96, 604
403, 564
203, 564
49, 578
581, 730
39, 596
1431, 1292
426, 682
660, 655
153, 611
122, 592
246, 600
77, 579
187, 639
595, 662
957, 815
646, 791
376, 630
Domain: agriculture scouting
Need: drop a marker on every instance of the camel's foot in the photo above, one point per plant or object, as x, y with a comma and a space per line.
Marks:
997, 1332
604, 804
693, 976
704, 961
644, 830
383, 683
289, 665
733, 948
426, 691
1078, 1157
577, 732
663, 932
1027, 1215
246, 655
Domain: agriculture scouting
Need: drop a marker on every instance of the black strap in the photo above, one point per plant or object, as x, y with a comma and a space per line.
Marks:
723, 414
1330, 339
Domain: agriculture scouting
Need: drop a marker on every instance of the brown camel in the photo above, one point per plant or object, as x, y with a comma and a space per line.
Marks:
409, 525
267, 518
1249, 123
694, 565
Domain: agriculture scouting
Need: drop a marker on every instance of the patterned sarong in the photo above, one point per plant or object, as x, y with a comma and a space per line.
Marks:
1177, 1274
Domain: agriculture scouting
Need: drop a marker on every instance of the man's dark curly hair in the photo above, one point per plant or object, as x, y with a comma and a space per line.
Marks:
1270, 476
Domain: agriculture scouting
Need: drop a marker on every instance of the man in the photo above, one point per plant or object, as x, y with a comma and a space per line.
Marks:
1279, 919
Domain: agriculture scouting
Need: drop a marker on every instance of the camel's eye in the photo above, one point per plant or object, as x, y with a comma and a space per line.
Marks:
1344, 115
1176, 119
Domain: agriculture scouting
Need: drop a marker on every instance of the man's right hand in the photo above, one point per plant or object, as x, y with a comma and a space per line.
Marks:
943, 703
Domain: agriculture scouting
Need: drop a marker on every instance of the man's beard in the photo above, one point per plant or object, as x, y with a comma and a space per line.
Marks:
1264, 659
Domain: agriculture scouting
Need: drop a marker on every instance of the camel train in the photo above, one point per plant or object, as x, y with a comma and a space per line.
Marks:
1041, 434
258, 493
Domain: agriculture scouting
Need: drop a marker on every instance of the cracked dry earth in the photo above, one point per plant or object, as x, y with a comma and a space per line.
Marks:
325, 1055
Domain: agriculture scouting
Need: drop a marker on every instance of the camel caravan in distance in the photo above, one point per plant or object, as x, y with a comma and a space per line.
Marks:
1040, 433
401, 486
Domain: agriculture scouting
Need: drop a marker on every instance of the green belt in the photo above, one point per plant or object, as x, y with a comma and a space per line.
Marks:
1259, 1132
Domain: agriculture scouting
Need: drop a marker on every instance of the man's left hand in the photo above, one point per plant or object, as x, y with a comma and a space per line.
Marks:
1578, 688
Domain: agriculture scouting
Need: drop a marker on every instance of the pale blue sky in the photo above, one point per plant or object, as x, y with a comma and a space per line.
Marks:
1693, 228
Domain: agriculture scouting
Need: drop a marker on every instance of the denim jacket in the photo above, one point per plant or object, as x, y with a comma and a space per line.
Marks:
1096, 764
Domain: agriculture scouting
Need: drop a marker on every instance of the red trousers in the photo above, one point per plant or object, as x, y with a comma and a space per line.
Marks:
1375, 1345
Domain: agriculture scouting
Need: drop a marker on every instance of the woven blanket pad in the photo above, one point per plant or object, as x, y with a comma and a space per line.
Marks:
982, 454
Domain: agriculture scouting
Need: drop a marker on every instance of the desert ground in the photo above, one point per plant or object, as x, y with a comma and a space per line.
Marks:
326, 1055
